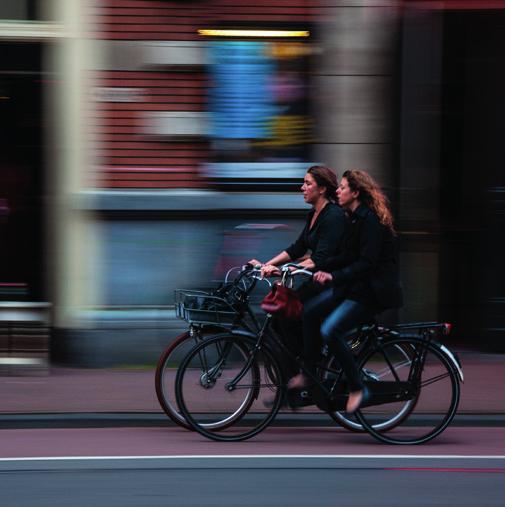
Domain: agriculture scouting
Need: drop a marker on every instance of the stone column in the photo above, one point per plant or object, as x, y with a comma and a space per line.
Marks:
356, 90
72, 245
355, 86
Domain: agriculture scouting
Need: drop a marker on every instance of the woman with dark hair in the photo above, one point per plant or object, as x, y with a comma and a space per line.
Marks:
324, 227
361, 288
321, 238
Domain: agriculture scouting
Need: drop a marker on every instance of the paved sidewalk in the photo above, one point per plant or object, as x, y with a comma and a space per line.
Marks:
130, 391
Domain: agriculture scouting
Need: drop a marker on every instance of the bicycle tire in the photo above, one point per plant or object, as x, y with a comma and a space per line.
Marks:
349, 421
166, 372
436, 395
164, 378
222, 359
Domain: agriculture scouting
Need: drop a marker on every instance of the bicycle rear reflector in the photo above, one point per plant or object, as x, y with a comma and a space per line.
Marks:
447, 328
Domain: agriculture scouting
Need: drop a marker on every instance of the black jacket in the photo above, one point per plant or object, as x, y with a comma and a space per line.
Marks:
326, 237
368, 264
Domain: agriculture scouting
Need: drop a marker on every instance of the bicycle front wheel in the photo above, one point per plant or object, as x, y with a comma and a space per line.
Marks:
409, 370
224, 379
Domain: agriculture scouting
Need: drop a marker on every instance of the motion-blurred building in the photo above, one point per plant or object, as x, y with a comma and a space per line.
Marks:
147, 143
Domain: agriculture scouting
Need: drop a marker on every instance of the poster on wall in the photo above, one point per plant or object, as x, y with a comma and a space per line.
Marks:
259, 107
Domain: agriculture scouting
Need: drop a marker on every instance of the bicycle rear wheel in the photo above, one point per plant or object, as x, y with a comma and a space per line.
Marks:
166, 371
433, 392
224, 380
349, 421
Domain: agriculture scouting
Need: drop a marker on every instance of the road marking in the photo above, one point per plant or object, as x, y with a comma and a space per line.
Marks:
248, 462
445, 469
261, 456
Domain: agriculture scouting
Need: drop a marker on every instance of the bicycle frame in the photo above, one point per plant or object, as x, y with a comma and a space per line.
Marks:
333, 396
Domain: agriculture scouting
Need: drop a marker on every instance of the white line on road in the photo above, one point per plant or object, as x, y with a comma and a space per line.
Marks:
261, 456
249, 462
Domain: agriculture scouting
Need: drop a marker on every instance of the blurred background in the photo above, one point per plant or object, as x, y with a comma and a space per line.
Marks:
148, 145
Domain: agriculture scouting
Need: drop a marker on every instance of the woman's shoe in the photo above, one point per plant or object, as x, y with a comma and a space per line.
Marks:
356, 399
298, 381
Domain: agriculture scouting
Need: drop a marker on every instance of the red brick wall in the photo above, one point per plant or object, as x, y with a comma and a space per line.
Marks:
128, 157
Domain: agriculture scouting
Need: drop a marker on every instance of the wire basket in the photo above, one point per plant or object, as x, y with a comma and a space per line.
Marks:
199, 307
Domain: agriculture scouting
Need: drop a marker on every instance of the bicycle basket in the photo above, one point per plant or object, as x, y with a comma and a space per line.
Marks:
233, 294
199, 307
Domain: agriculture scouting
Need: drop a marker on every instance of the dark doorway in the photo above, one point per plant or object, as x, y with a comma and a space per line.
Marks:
473, 174
21, 172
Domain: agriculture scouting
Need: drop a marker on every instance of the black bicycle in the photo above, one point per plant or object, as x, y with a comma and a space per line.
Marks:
226, 307
237, 376
208, 312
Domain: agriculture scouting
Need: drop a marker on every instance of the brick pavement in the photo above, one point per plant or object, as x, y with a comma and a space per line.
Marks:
64, 390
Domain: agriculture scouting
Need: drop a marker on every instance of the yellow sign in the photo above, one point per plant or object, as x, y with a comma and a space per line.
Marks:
288, 131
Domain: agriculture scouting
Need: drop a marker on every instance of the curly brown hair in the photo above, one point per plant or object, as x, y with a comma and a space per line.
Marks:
325, 177
371, 195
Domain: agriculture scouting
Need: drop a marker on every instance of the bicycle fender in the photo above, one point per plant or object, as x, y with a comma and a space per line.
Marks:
451, 356
242, 332
453, 360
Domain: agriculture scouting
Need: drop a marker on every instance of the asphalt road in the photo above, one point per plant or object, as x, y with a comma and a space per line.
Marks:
153, 466
266, 481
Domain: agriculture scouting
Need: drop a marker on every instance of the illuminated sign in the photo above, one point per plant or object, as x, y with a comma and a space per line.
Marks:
253, 33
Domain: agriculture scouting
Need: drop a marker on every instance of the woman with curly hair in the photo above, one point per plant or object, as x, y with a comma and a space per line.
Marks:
364, 280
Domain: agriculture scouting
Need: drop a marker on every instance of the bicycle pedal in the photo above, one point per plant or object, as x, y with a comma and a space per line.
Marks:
299, 398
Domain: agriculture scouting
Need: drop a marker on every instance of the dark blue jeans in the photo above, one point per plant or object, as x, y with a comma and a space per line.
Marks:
329, 317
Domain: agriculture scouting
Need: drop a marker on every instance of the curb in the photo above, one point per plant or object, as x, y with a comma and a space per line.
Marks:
149, 420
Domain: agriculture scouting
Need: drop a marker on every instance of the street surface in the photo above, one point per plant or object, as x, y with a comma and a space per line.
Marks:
173, 441
275, 481
153, 466
78, 437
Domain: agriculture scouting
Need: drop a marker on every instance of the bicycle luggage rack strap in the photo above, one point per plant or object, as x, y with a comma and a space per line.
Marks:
200, 307
424, 328
418, 325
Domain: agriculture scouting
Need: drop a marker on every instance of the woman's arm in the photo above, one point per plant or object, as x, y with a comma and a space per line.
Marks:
281, 258
270, 267
307, 263
331, 233
299, 247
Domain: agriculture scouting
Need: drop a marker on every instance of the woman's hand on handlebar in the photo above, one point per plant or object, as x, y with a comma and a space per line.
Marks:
255, 263
269, 270
322, 277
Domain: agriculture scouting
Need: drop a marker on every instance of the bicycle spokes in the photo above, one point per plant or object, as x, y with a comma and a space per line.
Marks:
420, 392
234, 384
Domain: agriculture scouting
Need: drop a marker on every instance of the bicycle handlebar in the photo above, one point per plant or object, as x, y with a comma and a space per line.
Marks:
284, 272
302, 271
299, 270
